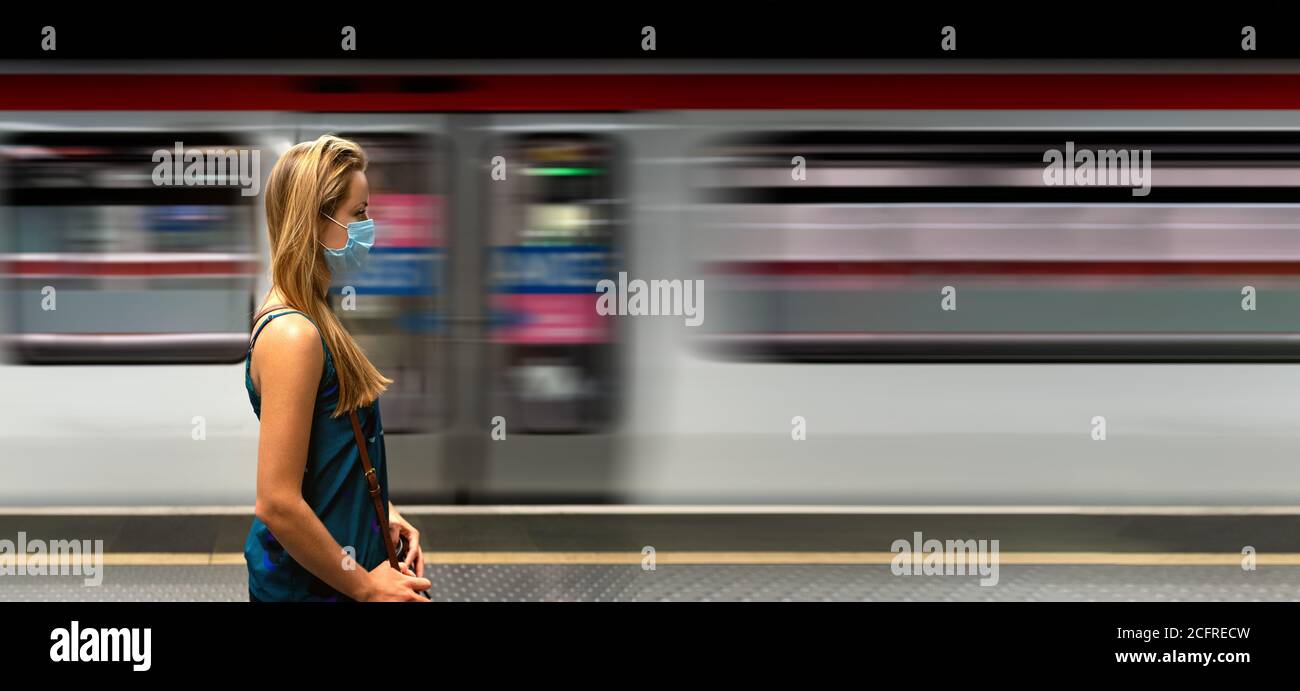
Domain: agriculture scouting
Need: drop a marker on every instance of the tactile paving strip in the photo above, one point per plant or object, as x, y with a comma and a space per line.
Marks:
705, 583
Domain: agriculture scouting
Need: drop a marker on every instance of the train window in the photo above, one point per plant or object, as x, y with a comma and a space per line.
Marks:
554, 234
396, 301
994, 246
109, 261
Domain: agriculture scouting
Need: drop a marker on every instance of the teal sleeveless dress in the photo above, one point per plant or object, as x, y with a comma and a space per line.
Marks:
333, 485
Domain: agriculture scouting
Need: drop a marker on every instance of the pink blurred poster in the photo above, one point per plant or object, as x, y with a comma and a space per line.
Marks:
549, 319
407, 220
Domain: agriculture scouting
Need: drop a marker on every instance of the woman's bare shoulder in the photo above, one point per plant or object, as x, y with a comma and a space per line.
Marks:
289, 341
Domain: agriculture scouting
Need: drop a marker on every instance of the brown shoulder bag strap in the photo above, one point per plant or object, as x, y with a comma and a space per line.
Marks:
375, 495
267, 310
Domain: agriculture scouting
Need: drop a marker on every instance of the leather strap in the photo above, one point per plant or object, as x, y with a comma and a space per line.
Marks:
267, 310
375, 495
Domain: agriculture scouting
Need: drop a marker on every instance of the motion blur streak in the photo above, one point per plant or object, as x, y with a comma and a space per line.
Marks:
126, 304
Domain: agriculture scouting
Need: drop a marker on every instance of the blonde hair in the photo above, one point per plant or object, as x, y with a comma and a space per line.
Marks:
312, 178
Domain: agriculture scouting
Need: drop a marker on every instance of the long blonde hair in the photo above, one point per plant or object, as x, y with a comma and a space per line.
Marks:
311, 178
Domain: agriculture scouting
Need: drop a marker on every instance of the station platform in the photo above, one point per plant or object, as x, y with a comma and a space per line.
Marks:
595, 553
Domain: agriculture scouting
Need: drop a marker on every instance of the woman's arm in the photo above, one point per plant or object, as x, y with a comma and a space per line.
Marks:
289, 363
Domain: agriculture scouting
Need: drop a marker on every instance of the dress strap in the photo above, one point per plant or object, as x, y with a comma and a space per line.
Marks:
269, 319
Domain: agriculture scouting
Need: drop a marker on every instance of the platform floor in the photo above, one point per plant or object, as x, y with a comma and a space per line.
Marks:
715, 557
711, 583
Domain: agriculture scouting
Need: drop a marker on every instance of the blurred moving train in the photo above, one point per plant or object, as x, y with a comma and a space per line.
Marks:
823, 302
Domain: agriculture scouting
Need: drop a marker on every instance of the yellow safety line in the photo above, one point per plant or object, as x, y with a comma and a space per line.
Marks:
812, 558
776, 558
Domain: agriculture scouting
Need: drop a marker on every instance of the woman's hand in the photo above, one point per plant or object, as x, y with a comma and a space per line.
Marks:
400, 527
390, 585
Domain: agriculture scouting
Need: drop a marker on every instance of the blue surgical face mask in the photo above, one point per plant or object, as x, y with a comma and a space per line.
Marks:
350, 257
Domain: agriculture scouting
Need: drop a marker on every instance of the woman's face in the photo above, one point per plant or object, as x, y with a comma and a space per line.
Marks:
351, 208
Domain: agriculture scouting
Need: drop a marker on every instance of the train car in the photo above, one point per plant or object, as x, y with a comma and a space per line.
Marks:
894, 306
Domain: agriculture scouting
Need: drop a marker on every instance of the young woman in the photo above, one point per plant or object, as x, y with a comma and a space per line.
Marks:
315, 534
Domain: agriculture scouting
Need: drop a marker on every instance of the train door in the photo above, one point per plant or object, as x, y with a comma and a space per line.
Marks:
553, 229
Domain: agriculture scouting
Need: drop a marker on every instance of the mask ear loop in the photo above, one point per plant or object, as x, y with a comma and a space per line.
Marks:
335, 223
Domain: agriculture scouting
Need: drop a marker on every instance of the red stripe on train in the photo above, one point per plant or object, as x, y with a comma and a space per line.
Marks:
591, 92
92, 268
